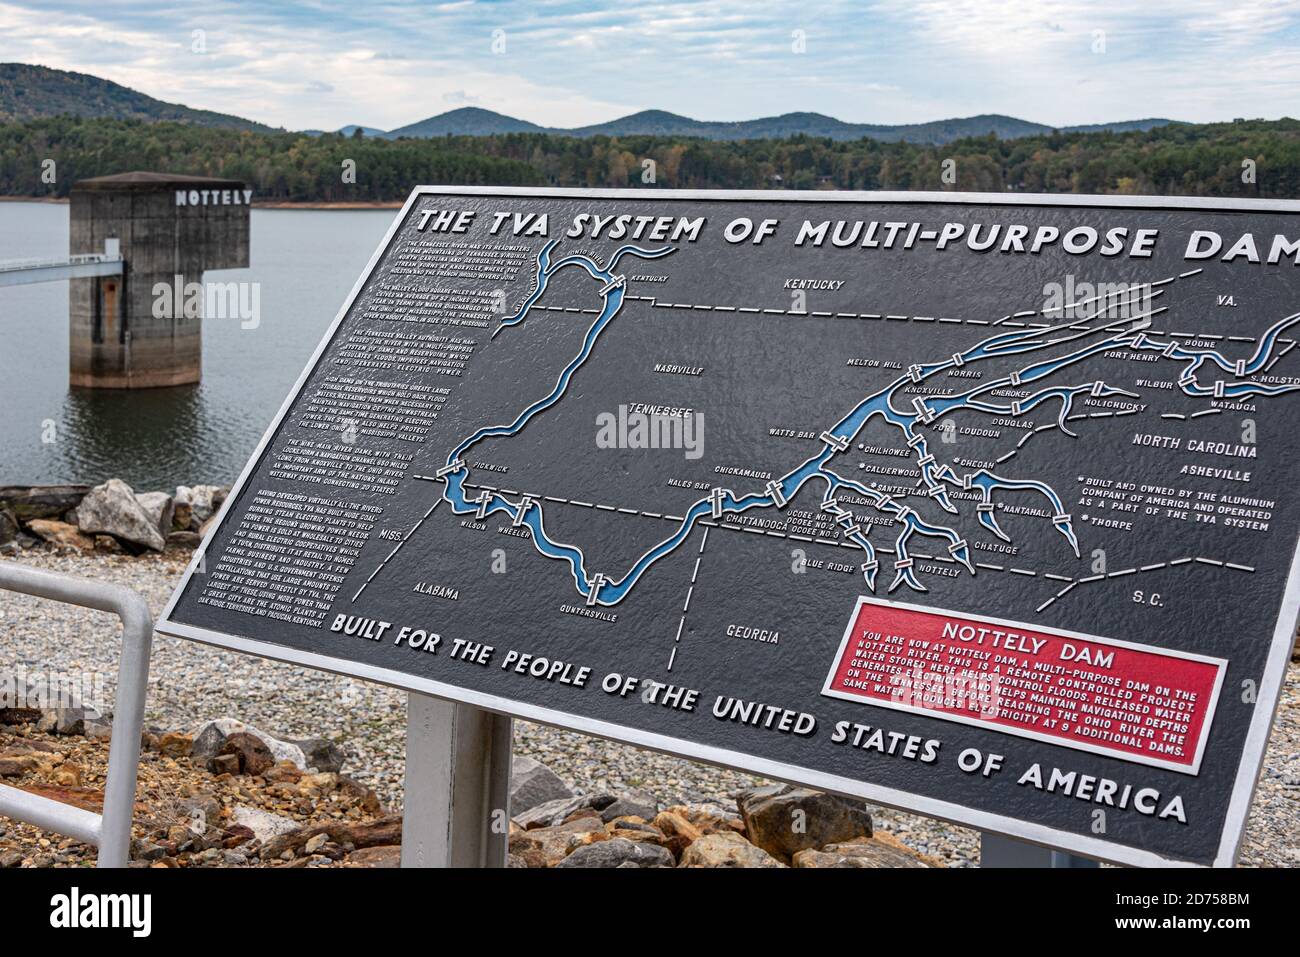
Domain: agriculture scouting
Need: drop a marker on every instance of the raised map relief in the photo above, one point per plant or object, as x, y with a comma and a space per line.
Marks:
982, 509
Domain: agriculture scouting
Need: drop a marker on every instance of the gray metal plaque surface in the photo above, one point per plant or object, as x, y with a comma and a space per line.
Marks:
979, 506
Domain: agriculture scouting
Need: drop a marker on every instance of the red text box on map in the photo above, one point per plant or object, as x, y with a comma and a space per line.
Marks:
1136, 702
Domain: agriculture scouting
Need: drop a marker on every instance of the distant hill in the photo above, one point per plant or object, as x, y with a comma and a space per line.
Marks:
480, 122
466, 121
351, 128
29, 92
1126, 126
32, 92
660, 123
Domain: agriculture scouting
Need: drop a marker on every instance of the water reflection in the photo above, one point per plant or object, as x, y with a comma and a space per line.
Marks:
305, 261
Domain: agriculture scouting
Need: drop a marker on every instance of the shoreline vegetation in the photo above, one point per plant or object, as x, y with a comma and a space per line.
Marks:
1240, 159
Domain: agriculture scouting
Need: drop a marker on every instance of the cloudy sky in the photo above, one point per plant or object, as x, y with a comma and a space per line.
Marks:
388, 63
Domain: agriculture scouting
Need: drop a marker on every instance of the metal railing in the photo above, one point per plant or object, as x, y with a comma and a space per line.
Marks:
79, 259
110, 831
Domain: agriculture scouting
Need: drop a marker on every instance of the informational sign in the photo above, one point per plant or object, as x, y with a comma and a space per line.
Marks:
979, 506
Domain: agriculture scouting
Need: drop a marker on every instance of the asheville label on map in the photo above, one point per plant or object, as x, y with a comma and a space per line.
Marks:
625, 462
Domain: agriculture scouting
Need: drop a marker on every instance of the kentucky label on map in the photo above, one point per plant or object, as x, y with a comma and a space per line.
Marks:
983, 508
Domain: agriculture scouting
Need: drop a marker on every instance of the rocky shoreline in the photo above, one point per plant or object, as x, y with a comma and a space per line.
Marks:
111, 518
231, 795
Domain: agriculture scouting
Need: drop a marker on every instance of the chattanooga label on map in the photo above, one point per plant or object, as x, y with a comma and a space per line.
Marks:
984, 508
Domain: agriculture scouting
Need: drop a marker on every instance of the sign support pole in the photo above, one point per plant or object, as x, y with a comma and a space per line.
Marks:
999, 851
457, 789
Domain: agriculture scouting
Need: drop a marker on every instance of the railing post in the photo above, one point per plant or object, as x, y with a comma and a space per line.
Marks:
111, 831
128, 725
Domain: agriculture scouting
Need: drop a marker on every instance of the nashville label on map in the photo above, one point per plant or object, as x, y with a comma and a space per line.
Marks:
979, 507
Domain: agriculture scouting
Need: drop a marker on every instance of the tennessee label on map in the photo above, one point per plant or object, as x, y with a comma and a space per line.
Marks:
978, 506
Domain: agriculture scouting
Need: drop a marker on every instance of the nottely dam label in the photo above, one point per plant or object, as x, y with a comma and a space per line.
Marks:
1141, 703
978, 506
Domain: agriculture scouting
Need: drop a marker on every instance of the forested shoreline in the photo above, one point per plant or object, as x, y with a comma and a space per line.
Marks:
1257, 158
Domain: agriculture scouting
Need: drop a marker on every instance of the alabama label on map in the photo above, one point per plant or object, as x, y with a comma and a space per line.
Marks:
978, 506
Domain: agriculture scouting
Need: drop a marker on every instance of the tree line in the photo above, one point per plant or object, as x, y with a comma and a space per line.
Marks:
1257, 158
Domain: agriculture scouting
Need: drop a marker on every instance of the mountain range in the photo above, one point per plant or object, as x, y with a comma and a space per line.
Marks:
29, 92
474, 121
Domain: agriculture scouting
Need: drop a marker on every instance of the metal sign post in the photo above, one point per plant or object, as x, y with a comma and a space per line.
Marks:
111, 831
999, 851
457, 788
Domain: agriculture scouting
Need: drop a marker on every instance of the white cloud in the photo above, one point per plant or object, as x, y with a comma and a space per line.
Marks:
293, 78
569, 63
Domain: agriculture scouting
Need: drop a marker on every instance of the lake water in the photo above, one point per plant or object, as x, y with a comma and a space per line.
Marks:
306, 262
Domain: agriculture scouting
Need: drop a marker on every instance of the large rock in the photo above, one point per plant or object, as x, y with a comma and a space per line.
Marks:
679, 833
547, 846
683, 824
61, 534
182, 510
783, 819
16, 765
183, 539
209, 737
726, 849
384, 832
709, 818
321, 754
207, 742
864, 852
385, 855
253, 754
199, 502
98, 727
175, 744
27, 502
533, 783
112, 509
159, 507
12, 716
200, 809
66, 721
264, 825
556, 812
618, 852
633, 803
636, 829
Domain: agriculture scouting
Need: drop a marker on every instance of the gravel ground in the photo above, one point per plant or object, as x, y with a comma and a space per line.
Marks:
191, 683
